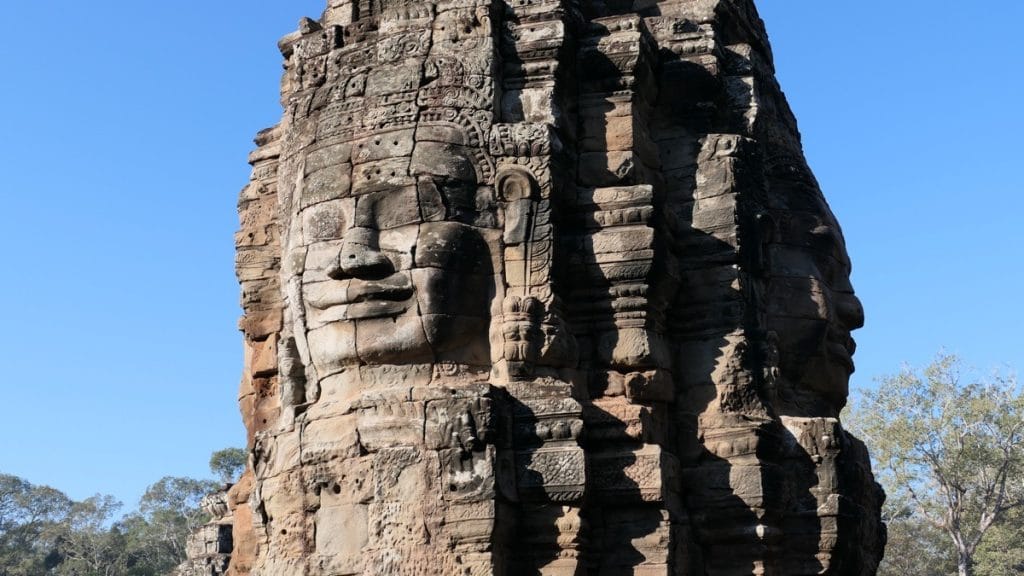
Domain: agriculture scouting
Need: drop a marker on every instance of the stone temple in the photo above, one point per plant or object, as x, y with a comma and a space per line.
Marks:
541, 287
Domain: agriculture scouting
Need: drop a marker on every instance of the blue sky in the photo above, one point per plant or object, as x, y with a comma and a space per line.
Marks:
124, 146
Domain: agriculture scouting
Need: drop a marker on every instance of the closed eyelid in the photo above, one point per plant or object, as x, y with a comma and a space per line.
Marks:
431, 201
388, 209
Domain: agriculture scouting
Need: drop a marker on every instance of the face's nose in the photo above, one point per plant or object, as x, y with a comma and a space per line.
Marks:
849, 311
361, 257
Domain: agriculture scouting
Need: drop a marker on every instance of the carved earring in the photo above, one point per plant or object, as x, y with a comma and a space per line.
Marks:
515, 183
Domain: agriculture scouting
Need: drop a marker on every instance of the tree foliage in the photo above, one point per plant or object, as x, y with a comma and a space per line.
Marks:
44, 532
1002, 550
86, 545
29, 516
169, 511
914, 547
950, 452
228, 464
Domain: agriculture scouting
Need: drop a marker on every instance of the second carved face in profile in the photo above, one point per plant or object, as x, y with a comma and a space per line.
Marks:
812, 308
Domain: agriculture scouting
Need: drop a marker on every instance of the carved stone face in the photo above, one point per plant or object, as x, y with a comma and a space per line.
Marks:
395, 272
813, 309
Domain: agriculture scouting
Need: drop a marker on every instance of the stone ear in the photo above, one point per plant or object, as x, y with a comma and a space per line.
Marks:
516, 183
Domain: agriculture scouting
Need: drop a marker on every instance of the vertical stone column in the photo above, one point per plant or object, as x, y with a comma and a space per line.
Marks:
621, 248
734, 472
548, 464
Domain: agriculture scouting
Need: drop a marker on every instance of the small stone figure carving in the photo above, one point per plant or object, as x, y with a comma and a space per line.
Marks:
543, 287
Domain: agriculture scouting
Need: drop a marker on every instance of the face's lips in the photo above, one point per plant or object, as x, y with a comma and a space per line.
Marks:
361, 296
396, 288
841, 348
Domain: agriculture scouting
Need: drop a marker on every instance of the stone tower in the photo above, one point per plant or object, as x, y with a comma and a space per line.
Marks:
543, 287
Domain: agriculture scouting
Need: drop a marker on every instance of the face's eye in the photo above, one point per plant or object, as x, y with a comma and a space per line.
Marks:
457, 194
828, 269
445, 198
447, 178
830, 257
430, 199
388, 209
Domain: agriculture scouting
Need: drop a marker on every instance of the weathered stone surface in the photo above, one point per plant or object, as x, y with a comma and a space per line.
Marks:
210, 547
542, 287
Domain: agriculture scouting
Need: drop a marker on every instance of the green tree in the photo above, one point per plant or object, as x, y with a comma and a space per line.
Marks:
915, 547
1002, 551
29, 516
87, 543
42, 531
170, 511
952, 450
146, 543
228, 464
